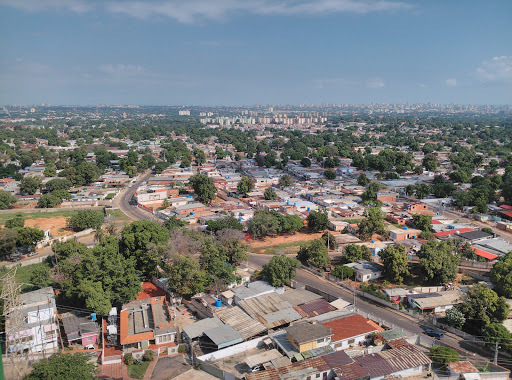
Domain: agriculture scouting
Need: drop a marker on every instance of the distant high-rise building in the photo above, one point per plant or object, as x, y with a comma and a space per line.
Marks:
184, 113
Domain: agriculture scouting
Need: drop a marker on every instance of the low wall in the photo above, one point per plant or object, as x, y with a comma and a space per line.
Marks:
327, 296
229, 351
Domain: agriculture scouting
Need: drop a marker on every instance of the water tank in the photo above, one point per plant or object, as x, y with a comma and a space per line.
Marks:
192, 213
218, 303
405, 228
308, 208
373, 241
93, 316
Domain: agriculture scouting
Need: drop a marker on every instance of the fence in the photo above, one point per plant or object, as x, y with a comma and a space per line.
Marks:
465, 263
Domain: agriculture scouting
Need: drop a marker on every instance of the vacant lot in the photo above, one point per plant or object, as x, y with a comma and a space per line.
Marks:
272, 245
57, 225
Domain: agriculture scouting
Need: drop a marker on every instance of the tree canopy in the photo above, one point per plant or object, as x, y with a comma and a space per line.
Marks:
395, 262
203, 188
62, 366
438, 262
314, 254
280, 270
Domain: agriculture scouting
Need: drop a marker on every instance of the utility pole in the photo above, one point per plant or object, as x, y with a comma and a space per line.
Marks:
17, 342
496, 353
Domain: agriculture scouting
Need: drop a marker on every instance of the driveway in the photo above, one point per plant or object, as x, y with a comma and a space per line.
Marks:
170, 367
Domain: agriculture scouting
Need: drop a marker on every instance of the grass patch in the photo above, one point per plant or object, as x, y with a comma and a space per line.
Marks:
117, 213
110, 196
284, 248
23, 275
137, 371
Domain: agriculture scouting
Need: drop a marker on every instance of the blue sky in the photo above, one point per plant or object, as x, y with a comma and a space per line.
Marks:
172, 52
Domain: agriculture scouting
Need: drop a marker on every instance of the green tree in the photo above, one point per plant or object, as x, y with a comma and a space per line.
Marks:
280, 270
430, 162
40, 276
8, 241
342, 272
63, 367
501, 276
317, 221
482, 306
6, 200
423, 190
135, 239
131, 171
455, 318
29, 236
245, 185
355, 252
362, 180
17, 221
285, 181
373, 223
173, 222
330, 174
291, 223
438, 262
410, 189
203, 188
497, 333
395, 261
422, 222
58, 184
306, 162
49, 201
443, 355
314, 254
84, 219
29, 185
187, 276
263, 223
50, 171
270, 194
224, 223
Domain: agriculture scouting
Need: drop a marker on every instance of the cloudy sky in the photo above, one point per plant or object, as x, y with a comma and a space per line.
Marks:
172, 52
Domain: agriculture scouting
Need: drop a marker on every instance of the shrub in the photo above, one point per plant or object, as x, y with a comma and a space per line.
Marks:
128, 359
443, 355
148, 356
182, 348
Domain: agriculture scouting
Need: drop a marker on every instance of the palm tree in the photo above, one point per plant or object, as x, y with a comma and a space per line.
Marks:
98, 235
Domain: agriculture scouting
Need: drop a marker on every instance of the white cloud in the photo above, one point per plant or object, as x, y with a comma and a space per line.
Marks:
499, 69
121, 69
375, 83
423, 85
451, 82
192, 11
77, 6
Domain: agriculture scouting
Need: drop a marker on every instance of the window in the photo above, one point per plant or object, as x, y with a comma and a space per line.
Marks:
317, 375
321, 340
351, 341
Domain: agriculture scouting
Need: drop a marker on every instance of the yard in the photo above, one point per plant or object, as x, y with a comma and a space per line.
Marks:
137, 371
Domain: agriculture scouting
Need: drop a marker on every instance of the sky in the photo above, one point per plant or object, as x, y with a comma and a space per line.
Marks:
234, 52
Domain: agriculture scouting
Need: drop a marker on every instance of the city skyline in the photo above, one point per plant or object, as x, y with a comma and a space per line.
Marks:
259, 52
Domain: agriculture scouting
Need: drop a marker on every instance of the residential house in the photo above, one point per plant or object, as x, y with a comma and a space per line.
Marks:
39, 322
82, 329
147, 324
308, 336
366, 270
406, 233
436, 302
350, 331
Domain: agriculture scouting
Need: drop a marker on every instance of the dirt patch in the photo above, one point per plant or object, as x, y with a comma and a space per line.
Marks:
279, 240
56, 225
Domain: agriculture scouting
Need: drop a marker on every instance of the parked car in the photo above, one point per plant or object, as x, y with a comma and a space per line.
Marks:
434, 333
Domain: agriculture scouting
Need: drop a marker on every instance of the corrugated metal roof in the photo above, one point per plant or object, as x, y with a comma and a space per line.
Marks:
241, 322
316, 307
299, 296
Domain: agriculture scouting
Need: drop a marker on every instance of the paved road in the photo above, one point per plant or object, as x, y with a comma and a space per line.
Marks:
124, 199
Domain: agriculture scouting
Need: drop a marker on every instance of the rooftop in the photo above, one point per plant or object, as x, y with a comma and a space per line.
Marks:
252, 289
307, 332
224, 336
351, 326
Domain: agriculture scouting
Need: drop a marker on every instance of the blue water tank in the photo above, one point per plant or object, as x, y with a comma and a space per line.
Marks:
218, 303
93, 316
239, 219
437, 213
308, 208
405, 228
373, 241
192, 213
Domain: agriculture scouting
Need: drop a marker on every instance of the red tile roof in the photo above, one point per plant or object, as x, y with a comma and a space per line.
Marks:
149, 290
487, 255
452, 232
355, 325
